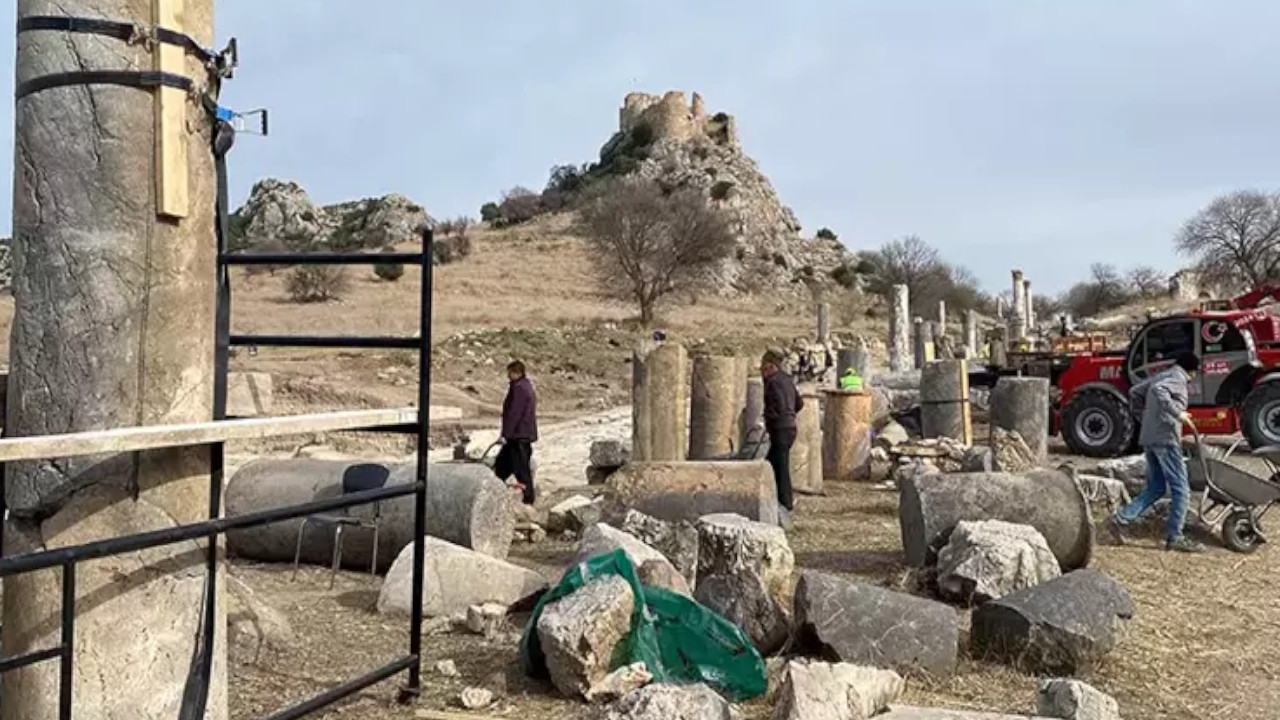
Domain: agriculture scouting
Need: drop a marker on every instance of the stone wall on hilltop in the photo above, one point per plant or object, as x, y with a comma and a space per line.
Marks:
677, 144
280, 213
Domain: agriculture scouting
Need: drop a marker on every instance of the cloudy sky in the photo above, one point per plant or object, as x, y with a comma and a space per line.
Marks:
1048, 134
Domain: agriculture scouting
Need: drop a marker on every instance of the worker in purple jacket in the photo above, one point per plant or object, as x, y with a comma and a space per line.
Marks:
519, 431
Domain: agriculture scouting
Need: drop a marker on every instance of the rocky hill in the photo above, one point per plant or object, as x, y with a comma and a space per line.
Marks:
676, 143
280, 214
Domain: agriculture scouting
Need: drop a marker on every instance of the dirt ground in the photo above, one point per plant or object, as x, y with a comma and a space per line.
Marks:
1205, 642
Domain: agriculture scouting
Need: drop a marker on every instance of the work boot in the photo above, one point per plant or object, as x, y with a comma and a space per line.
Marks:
1116, 530
1182, 543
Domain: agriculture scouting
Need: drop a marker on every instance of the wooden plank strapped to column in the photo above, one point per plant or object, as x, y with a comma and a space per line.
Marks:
155, 437
171, 115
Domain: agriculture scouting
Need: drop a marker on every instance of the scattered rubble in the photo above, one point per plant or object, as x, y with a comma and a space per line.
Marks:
619, 683
732, 545
609, 454
487, 620
670, 702
1060, 627
475, 698
742, 599
1012, 453
1069, 699
574, 514
865, 624
447, 668
987, 559
822, 691
580, 633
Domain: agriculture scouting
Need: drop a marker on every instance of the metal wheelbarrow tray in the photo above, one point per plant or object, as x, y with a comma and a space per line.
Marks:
1234, 495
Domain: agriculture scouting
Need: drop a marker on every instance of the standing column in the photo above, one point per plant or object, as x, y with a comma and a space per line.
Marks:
942, 316
971, 333
1031, 306
846, 435
824, 322
900, 349
1022, 404
999, 307
752, 439
923, 342
944, 401
113, 284
806, 453
660, 403
718, 392
1019, 310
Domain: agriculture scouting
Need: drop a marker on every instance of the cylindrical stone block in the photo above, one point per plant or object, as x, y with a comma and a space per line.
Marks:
1029, 304
1019, 310
999, 356
753, 440
944, 400
846, 436
854, 356
1022, 404
971, 333
718, 393
660, 403
466, 506
930, 506
824, 322
900, 351
686, 491
923, 342
806, 453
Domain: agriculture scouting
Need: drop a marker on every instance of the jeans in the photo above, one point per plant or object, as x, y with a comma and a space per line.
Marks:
1166, 470
779, 457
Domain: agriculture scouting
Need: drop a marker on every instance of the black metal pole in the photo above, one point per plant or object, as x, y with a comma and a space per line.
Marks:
66, 676
424, 438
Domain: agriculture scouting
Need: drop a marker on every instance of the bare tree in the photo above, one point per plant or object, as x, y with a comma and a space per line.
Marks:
912, 262
1105, 290
1147, 282
1236, 237
648, 244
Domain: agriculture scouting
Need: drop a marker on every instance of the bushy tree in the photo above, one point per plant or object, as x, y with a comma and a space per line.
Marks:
648, 244
316, 283
1236, 239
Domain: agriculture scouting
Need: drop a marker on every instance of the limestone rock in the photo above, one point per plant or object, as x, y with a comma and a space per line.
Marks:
1069, 699
1060, 627
677, 541
987, 559
610, 454
576, 514
731, 544
1131, 470
1012, 453
475, 698
619, 683
580, 633
280, 213
670, 702
864, 624
601, 539
1104, 493
252, 624
487, 620
978, 459
890, 435
742, 599
447, 668
454, 579
822, 691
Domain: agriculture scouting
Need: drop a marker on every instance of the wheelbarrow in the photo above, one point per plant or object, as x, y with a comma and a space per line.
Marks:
1233, 495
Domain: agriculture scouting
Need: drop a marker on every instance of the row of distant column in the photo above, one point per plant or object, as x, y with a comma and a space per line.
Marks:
1023, 316
915, 342
714, 411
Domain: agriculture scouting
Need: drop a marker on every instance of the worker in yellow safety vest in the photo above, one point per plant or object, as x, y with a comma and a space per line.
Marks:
851, 381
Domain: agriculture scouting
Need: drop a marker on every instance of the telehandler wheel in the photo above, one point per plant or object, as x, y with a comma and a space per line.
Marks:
1260, 415
1096, 423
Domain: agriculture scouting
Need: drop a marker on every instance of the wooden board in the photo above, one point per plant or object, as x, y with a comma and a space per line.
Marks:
171, 116
154, 437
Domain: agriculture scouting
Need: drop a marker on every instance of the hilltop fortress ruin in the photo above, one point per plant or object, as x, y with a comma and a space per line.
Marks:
672, 117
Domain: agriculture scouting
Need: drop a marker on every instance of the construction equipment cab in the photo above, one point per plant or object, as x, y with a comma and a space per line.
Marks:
1236, 390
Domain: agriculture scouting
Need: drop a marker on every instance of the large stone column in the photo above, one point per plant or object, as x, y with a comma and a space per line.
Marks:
900, 352
1030, 305
660, 403
1019, 310
1022, 404
113, 327
806, 453
846, 435
824, 322
942, 316
944, 400
971, 333
717, 398
999, 307
923, 342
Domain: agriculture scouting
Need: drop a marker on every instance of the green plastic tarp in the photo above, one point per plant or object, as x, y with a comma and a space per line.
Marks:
678, 640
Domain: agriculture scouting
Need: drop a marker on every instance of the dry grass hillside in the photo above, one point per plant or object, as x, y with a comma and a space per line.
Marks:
526, 292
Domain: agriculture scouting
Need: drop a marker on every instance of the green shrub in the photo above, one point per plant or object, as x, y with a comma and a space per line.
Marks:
826, 234
721, 190
390, 272
489, 212
316, 283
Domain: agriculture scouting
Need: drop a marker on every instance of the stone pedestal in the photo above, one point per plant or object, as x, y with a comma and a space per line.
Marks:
846, 436
944, 400
1022, 404
660, 403
806, 454
718, 392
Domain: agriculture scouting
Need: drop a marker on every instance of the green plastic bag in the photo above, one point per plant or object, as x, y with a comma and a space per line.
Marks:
678, 640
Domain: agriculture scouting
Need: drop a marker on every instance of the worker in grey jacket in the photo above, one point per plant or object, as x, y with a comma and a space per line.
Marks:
1160, 404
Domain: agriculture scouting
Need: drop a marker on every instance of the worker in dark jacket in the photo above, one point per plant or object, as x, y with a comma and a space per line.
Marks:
519, 431
781, 403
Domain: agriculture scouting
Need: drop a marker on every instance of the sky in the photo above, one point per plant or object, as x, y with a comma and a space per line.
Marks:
1043, 134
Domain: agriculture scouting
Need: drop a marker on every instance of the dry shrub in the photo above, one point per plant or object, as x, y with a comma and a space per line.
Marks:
317, 283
